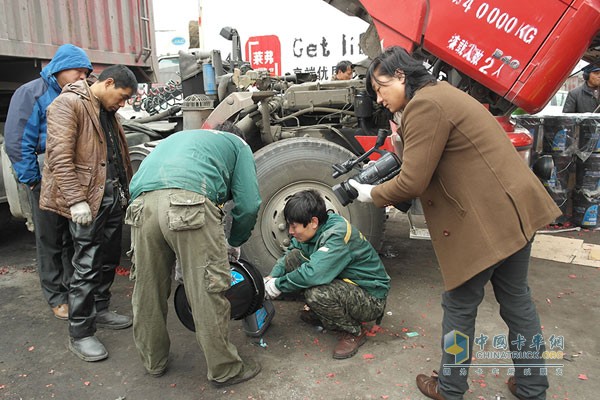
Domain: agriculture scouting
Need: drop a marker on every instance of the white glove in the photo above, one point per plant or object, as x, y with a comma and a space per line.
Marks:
271, 290
81, 213
233, 253
364, 191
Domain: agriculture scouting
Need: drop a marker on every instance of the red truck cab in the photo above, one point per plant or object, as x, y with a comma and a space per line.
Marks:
521, 51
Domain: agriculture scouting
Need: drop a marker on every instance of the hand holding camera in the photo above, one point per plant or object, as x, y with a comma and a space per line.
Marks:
363, 189
375, 172
359, 186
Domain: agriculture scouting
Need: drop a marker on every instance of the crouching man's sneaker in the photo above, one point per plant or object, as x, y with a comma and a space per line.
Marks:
111, 320
88, 348
348, 344
250, 368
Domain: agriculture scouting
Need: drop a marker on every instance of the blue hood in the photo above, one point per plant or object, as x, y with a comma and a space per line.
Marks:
67, 56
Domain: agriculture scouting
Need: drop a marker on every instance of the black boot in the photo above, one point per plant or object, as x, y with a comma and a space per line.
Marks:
88, 348
111, 320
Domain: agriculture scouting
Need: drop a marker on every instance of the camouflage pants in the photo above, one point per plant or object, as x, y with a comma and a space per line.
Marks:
340, 305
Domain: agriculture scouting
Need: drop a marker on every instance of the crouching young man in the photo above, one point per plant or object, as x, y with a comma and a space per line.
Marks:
343, 278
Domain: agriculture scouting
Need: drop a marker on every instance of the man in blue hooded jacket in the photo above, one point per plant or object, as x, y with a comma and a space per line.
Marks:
25, 140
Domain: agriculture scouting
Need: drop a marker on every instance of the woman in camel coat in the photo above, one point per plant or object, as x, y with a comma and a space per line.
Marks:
482, 204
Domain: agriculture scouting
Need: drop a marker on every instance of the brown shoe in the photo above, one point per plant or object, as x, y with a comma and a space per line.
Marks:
348, 345
512, 386
428, 385
61, 311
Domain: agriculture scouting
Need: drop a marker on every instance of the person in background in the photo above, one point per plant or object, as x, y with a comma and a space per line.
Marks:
176, 213
25, 141
585, 98
85, 179
343, 71
342, 277
483, 206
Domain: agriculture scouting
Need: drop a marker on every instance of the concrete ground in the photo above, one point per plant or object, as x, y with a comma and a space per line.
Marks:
296, 361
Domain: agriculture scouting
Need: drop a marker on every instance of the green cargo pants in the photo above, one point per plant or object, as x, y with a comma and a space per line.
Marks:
178, 224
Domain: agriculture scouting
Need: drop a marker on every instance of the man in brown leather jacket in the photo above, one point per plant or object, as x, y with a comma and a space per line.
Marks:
85, 179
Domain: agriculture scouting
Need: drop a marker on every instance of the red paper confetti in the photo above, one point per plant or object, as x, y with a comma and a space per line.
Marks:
330, 375
572, 276
122, 271
86, 383
368, 356
373, 331
31, 348
583, 377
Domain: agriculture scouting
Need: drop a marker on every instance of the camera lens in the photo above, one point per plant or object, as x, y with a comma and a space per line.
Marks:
345, 193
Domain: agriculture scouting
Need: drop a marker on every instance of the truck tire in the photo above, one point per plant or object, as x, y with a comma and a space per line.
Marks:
138, 153
289, 166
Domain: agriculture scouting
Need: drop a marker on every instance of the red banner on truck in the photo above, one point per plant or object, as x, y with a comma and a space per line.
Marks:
264, 52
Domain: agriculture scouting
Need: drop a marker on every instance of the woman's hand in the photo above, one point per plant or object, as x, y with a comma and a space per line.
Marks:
364, 191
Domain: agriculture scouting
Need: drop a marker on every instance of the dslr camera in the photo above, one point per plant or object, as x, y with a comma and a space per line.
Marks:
384, 169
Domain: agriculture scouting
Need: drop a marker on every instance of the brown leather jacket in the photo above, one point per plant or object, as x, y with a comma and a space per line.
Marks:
75, 164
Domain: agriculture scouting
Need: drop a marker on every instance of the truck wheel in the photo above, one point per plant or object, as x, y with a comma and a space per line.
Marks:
137, 154
287, 167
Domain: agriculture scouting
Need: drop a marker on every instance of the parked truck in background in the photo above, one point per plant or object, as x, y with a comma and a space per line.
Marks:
31, 32
506, 54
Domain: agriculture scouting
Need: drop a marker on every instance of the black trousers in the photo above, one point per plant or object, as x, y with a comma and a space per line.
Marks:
97, 254
54, 247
